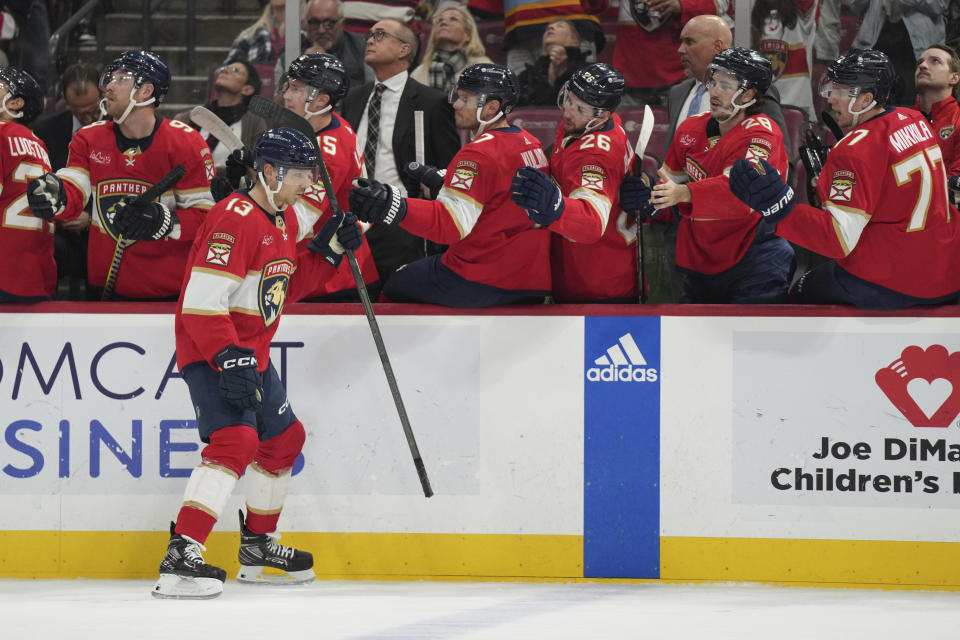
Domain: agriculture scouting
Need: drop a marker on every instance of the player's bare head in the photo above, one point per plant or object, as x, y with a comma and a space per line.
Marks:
702, 38
938, 70
391, 44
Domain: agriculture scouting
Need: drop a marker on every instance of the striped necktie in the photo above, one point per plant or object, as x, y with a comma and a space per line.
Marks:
373, 131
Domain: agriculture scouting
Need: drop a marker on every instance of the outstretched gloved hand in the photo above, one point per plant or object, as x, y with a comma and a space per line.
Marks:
536, 192
763, 191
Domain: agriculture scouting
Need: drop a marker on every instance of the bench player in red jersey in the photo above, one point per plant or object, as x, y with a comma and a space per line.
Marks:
593, 257
28, 272
497, 255
885, 221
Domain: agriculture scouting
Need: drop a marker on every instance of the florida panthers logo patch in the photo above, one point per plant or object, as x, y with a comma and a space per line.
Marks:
591, 177
946, 132
218, 248
110, 193
274, 281
463, 175
841, 187
756, 152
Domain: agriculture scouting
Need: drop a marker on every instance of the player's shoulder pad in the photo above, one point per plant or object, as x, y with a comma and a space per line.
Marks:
98, 123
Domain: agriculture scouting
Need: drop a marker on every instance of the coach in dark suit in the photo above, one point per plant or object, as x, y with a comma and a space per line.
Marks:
382, 114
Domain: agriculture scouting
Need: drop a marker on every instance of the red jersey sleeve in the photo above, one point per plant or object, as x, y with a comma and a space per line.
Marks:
192, 192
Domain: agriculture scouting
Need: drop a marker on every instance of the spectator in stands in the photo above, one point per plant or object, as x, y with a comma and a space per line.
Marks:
382, 114
903, 31
525, 22
235, 83
938, 87
829, 31
561, 55
646, 31
262, 42
324, 29
82, 95
454, 45
784, 31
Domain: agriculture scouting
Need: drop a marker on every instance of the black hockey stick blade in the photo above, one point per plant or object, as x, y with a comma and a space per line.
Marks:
281, 116
832, 125
165, 183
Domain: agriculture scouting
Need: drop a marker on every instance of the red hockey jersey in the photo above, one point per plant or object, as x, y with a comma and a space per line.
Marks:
592, 251
237, 278
492, 241
945, 122
885, 216
27, 267
97, 168
338, 143
716, 229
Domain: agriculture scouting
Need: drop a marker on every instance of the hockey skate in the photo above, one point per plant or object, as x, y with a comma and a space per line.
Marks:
184, 574
263, 560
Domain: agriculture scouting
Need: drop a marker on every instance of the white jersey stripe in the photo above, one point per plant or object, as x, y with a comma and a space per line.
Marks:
464, 209
597, 201
848, 223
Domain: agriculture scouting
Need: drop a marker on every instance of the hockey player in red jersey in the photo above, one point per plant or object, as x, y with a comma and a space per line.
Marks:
497, 255
885, 219
724, 254
313, 85
112, 161
938, 86
237, 280
593, 257
28, 272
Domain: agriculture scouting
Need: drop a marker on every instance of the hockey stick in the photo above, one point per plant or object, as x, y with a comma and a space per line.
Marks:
151, 194
282, 116
218, 128
646, 130
832, 125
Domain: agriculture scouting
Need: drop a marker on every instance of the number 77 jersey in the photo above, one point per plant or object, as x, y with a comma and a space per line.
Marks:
885, 215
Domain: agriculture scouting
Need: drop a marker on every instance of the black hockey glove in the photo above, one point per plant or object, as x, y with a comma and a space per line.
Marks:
953, 182
238, 163
535, 191
373, 201
763, 192
240, 381
46, 196
220, 188
140, 220
428, 176
338, 234
635, 192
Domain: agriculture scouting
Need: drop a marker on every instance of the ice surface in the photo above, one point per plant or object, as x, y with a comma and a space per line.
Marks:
106, 609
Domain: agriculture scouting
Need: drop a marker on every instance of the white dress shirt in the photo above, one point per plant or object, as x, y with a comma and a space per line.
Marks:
389, 103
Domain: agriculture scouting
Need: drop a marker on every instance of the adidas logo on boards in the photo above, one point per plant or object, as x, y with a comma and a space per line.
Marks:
623, 363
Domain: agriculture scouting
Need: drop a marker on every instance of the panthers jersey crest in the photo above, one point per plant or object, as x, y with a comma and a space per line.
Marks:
776, 51
111, 193
274, 283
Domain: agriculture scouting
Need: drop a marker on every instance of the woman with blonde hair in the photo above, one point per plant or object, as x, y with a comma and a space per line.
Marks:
262, 42
454, 45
